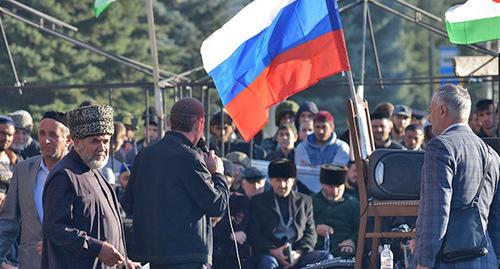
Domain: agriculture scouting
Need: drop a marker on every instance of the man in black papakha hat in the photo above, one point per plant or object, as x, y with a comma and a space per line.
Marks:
336, 214
82, 227
281, 229
174, 190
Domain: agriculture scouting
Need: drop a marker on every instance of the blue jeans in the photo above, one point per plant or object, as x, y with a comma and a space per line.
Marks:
269, 262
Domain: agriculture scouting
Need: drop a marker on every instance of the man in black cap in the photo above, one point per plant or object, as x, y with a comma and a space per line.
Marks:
23, 206
281, 228
401, 118
336, 214
173, 192
81, 225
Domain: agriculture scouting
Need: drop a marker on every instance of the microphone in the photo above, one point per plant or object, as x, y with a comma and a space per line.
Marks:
202, 145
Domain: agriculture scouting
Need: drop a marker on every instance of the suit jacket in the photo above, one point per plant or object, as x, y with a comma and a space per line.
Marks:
264, 218
80, 213
20, 214
452, 171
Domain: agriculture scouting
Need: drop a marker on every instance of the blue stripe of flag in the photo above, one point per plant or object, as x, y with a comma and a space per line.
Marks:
296, 24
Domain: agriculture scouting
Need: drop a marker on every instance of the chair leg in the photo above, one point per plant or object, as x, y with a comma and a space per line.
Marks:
375, 241
360, 246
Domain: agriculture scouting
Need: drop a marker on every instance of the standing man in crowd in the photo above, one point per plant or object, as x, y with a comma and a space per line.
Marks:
81, 226
23, 143
173, 191
8, 158
454, 165
401, 118
382, 127
323, 146
485, 110
23, 210
414, 137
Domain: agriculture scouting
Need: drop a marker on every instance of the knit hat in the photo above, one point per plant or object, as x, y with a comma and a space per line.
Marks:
331, 174
188, 107
282, 168
308, 106
23, 120
287, 106
252, 174
90, 121
128, 120
239, 158
6, 120
324, 116
228, 167
57, 116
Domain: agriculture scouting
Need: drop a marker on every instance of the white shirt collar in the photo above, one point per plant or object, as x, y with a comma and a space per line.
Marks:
454, 125
43, 166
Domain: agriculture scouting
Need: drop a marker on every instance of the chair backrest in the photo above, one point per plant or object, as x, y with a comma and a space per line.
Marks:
354, 131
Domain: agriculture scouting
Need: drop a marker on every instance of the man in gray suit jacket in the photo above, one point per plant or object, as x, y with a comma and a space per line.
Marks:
454, 165
22, 212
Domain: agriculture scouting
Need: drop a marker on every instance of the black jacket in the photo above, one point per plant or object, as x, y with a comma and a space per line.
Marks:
172, 197
264, 218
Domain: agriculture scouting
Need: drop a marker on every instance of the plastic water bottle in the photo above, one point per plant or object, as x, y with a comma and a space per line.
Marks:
386, 258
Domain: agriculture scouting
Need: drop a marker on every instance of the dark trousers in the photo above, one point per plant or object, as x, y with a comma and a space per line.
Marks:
270, 262
179, 266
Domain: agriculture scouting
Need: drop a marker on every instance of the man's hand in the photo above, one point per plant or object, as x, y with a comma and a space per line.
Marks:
347, 246
280, 256
109, 255
422, 267
323, 230
39, 247
2, 199
132, 265
240, 236
214, 163
295, 258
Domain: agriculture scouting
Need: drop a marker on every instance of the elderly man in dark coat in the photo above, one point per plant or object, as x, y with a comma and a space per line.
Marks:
81, 223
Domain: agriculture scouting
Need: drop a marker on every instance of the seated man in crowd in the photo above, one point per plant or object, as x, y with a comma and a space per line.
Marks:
414, 137
323, 146
336, 214
305, 129
286, 112
286, 137
252, 183
351, 185
221, 134
382, 128
281, 228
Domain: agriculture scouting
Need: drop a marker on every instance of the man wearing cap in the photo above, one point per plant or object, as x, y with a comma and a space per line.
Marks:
286, 112
23, 143
221, 134
323, 146
173, 192
336, 214
401, 118
81, 225
281, 229
8, 158
23, 210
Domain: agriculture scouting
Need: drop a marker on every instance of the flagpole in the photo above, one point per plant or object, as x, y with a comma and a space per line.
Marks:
155, 64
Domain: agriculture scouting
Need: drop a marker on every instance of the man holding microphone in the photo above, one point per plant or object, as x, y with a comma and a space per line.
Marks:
173, 191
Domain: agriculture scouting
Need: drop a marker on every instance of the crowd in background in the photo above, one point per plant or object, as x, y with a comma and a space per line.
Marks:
305, 135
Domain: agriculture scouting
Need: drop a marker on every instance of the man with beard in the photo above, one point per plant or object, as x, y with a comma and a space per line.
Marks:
382, 127
23, 205
401, 118
23, 143
323, 146
8, 158
81, 224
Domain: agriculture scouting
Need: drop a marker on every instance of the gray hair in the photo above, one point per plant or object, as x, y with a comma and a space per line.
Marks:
457, 99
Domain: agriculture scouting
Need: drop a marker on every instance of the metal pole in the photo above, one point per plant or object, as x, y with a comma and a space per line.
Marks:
495, 117
113, 141
222, 146
374, 46
9, 55
205, 88
363, 42
431, 66
146, 120
155, 64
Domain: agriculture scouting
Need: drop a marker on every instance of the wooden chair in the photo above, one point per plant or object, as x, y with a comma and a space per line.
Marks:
369, 207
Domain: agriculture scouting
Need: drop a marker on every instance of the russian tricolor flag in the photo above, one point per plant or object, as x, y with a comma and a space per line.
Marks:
270, 50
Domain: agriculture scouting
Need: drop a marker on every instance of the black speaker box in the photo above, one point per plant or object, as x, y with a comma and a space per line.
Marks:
395, 174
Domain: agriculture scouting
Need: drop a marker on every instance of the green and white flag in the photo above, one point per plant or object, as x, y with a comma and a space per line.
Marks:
101, 5
474, 21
